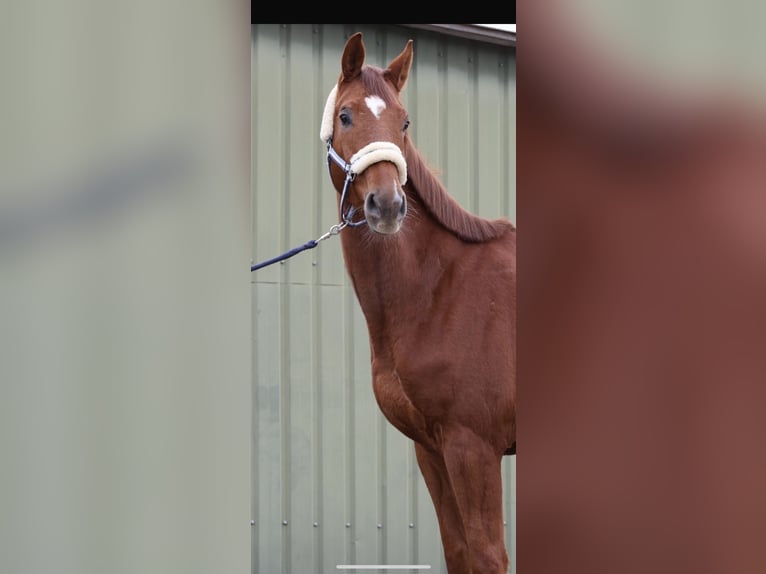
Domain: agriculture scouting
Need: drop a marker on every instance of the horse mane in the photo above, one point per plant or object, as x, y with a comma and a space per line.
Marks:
422, 181
443, 207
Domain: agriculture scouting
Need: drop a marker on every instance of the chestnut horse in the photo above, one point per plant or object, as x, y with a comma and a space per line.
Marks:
437, 286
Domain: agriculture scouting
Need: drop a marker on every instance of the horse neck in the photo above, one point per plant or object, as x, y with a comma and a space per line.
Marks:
395, 276
443, 208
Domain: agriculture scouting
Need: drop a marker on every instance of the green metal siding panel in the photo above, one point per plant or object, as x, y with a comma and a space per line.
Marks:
268, 147
301, 437
268, 475
508, 114
495, 139
509, 506
460, 130
333, 408
425, 101
325, 460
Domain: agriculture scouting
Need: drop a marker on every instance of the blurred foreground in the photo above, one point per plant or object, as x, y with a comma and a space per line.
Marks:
124, 287
642, 215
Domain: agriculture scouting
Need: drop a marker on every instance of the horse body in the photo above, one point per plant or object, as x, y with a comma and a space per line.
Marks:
442, 329
438, 295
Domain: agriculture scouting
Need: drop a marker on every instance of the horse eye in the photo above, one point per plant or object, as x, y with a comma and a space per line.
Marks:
345, 118
406, 125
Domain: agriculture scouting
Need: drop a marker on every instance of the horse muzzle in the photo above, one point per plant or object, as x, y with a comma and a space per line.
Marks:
385, 211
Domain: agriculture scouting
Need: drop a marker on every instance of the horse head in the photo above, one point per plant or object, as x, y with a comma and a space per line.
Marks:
365, 126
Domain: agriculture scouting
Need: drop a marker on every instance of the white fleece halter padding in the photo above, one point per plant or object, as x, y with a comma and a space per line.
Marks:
325, 131
380, 151
369, 154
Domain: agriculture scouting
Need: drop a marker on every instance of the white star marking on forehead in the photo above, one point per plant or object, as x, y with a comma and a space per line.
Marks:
376, 105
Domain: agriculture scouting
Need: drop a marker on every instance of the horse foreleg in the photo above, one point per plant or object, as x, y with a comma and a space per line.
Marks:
475, 475
434, 472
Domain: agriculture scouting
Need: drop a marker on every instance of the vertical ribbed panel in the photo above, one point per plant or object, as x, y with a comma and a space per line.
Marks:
334, 483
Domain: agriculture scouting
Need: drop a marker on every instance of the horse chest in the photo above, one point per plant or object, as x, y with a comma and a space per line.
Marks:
397, 405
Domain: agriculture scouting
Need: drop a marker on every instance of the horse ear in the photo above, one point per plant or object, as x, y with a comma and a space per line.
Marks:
399, 68
353, 57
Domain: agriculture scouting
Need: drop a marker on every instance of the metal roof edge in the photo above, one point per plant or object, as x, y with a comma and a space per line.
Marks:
480, 32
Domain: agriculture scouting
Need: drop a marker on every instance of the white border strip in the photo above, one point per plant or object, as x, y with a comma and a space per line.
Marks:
502, 27
383, 567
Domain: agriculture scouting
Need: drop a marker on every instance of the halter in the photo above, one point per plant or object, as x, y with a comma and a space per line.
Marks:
361, 160
345, 216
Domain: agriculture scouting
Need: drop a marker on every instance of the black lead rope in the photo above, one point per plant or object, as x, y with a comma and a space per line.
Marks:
346, 217
294, 251
334, 230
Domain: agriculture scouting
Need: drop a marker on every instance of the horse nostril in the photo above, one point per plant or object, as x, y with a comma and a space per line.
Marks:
403, 206
371, 206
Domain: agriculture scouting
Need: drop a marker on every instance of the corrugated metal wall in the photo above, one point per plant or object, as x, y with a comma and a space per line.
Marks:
334, 483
